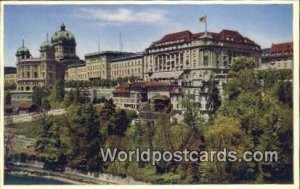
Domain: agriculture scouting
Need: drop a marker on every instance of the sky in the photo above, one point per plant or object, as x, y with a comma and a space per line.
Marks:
140, 25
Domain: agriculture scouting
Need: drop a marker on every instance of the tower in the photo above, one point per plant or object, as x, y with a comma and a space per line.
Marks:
22, 53
46, 50
64, 44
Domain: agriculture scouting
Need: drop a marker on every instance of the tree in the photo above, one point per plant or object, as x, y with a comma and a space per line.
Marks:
54, 142
162, 141
121, 124
69, 98
59, 90
10, 86
242, 63
37, 95
46, 104
81, 95
192, 114
284, 92
93, 140
226, 134
95, 98
214, 100
108, 110
7, 98
260, 108
131, 114
72, 139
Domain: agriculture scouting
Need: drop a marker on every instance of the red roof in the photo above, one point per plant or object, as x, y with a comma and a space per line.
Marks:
25, 105
187, 36
282, 47
279, 50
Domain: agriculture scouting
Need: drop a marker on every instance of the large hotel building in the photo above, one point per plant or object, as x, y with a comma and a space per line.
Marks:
177, 64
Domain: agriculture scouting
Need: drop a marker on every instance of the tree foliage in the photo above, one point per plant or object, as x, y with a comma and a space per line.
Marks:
10, 86
38, 94
256, 115
46, 104
259, 108
7, 98
74, 137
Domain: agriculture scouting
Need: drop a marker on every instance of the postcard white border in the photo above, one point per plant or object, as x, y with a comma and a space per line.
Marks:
295, 4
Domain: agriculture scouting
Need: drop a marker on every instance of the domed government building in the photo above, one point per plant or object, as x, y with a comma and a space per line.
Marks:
47, 70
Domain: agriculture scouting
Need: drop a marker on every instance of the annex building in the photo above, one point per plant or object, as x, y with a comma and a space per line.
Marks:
279, 56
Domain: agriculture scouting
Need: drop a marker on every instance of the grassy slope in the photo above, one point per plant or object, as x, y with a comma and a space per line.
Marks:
28, 129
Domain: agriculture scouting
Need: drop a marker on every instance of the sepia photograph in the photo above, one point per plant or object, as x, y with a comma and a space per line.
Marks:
150, 93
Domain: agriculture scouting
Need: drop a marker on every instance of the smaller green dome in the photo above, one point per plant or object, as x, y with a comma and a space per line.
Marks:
23, 50
46, 45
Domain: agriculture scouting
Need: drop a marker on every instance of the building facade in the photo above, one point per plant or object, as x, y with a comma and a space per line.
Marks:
135, 95
279, 56
10, 78
191, 60
109, 65
127, 66
193, 57
47, 69
176, 65
76, 73
10, 75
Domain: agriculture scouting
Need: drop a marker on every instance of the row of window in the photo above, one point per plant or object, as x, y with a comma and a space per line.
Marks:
169, 48
128, 71
126, 64
98, 66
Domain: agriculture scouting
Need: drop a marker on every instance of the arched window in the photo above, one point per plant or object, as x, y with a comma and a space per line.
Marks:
28, 74
27, 88
35, 74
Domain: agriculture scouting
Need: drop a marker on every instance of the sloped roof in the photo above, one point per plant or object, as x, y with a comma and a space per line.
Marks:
10, 70
25, 105
282, 47
187, 36
278, 51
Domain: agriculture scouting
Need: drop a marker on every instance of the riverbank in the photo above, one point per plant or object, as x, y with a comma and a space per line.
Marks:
24, 178
68, 176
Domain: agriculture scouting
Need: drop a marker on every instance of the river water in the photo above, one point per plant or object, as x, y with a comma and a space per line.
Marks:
10, 179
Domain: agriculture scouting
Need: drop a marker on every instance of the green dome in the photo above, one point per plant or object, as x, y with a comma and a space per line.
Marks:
63, 35
23, 51
46, 45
